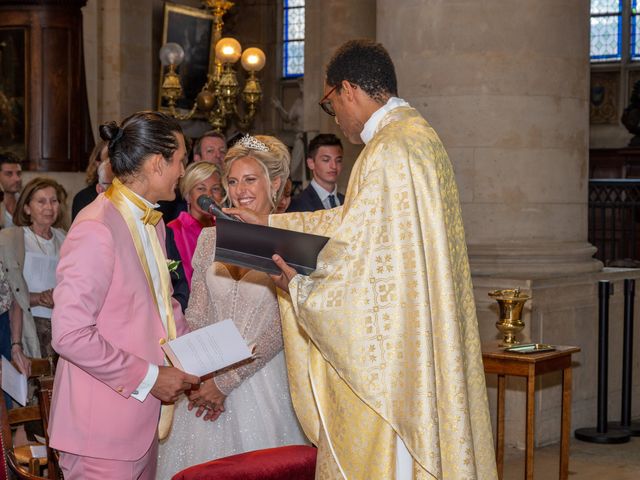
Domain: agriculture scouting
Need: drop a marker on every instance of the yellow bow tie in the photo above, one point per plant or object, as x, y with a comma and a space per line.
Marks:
150, 216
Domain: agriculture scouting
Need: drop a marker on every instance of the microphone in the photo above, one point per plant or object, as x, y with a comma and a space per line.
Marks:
208, 205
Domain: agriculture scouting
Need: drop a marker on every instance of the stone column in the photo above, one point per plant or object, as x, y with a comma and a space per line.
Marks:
328, 24
505, 84
119, 59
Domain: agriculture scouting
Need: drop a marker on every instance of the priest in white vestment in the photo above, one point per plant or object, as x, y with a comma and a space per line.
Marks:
381, 341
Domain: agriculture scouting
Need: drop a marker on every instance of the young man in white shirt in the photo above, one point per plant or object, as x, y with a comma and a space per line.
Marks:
325, 162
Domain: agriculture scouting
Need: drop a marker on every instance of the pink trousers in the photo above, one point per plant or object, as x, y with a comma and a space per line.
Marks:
78, 467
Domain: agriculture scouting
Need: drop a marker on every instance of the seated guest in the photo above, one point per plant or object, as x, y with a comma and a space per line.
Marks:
251, 399
88, 194
325, 162
11, 183
210, 147
29, 252
200, 178
5, 328
285, 200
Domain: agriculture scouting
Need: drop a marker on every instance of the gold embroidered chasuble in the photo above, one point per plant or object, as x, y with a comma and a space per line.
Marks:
382, 339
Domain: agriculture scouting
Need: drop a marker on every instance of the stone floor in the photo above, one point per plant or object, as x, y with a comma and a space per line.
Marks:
587, 461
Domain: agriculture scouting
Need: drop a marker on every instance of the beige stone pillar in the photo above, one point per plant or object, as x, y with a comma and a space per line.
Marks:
328, 24
118, 58
505, 84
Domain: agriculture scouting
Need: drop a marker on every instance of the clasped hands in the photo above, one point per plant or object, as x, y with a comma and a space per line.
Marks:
172, 382
208, 399
42, 299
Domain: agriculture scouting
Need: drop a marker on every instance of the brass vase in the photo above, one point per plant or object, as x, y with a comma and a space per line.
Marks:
511, 301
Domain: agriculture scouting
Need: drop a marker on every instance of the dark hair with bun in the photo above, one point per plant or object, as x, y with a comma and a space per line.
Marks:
139, 135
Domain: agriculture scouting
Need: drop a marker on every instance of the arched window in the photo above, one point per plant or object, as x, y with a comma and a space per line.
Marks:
292, 38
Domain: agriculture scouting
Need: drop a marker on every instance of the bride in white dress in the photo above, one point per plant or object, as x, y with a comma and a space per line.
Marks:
252, 399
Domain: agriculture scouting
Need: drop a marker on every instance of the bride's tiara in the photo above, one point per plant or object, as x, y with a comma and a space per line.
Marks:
253, 143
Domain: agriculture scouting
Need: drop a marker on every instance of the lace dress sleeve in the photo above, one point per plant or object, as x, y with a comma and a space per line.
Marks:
199, 310
268, 343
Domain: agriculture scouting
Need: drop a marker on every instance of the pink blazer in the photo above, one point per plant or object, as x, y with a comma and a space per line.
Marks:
106, 328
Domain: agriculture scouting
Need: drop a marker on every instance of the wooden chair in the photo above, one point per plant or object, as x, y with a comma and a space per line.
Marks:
19, 459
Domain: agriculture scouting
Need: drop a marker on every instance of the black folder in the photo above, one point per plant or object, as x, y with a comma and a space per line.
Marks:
252, 246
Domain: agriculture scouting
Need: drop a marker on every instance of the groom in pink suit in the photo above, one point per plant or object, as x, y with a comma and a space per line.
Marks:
113, 311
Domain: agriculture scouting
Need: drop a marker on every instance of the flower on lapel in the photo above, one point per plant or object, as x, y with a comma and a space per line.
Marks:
172, 265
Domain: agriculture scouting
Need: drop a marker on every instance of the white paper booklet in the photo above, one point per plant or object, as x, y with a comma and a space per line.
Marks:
208, 349
14, 382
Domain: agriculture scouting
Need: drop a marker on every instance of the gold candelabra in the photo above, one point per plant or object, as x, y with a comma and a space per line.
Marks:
218, 99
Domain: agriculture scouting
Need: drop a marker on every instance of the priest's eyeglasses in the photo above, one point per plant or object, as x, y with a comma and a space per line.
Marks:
325, 103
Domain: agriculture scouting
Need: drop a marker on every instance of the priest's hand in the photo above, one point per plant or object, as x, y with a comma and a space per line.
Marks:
171, 383
208, 398
248, 216
282, 281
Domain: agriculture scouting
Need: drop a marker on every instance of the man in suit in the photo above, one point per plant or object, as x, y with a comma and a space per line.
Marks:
210, 147
113, 311
325, 161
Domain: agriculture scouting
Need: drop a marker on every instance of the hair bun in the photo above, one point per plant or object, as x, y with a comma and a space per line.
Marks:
110, 132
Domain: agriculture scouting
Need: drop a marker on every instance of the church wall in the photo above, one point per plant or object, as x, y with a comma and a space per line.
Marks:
325, 32
509, 100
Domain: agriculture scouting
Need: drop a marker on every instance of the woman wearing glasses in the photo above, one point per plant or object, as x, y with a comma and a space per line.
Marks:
200, 178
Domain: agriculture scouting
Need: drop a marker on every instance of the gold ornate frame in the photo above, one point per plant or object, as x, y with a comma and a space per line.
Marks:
175, 19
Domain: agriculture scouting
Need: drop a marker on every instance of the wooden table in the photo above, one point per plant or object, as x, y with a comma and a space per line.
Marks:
529, 365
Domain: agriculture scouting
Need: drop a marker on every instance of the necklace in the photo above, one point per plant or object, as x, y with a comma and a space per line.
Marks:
35, 235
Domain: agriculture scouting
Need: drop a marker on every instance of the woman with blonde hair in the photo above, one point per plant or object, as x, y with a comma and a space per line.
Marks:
250, 402
201, 178
32, 243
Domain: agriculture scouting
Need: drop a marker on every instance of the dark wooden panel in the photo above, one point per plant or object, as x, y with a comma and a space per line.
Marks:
56, 91
58, 128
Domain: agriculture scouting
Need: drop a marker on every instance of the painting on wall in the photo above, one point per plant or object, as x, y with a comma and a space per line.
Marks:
603, 105
12, 91
192, 29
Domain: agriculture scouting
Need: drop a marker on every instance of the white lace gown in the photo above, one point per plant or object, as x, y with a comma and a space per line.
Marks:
258, 411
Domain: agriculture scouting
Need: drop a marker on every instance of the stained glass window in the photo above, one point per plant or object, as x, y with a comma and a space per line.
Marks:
635, 31
293, 38
606, 30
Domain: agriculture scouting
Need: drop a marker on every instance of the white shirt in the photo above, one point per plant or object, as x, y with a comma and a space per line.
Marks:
324, 195
8, 219
40, 261
152, 373
371, 125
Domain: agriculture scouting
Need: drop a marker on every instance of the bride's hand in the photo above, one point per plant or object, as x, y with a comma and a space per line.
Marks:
208, 398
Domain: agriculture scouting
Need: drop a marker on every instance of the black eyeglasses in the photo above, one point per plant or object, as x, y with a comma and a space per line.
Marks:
325, 103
